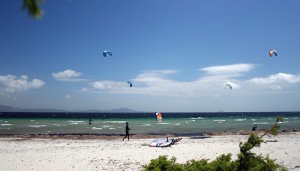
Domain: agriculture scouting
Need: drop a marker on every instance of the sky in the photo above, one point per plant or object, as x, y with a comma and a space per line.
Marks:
179, 55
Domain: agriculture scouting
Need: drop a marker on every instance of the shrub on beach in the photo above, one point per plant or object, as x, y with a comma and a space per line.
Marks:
246, 161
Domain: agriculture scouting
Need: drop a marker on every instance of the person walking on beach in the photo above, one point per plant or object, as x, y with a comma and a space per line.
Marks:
127, 131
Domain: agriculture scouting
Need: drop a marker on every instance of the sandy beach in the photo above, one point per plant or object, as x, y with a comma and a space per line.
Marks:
111, 153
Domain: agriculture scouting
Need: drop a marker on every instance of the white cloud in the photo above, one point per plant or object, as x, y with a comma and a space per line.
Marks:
276, 81
234, 69
12, 84
68, 96
158, 82
154, 77
107, 84
84, 89
68, 75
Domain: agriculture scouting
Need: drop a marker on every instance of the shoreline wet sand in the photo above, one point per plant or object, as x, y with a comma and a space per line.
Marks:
109, 152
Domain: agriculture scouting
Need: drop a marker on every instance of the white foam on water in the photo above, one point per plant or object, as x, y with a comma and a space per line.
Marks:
197, 118
6, 124
106, 126
114, 122
37, 126
240, 120
146, 125
164, 123
96, 128
219, 121
261, 123
56, 125
112, 128
76, 121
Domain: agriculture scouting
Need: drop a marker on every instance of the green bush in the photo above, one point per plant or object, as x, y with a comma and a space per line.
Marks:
247, 161
162, 163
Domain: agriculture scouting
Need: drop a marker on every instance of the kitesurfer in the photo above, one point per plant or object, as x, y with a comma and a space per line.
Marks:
127, 131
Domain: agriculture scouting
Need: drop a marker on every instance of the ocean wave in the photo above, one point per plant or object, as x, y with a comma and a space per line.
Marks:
114, 122
146, 125
106, 126
197, 118
164, 123
6, 124
219, 121
96, 128
37, 126
240, 120
261, 123
75, 121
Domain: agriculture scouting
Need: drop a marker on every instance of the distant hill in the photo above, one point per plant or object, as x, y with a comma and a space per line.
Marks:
119, 110
13, 109
7, 109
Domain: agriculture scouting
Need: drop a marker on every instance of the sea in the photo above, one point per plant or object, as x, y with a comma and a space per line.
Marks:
142, 123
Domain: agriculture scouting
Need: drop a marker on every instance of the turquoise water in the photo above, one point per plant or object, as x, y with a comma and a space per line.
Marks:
181, 125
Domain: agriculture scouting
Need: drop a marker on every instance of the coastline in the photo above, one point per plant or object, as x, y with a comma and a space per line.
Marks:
103, 152
81, 136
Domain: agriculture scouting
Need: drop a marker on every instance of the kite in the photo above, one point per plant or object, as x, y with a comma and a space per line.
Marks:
107, 52
228, 85
158, 117
130, 83
271, 52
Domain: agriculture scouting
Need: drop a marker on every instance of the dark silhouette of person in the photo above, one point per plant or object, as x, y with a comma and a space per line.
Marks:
90, 121
254, 127
127, 131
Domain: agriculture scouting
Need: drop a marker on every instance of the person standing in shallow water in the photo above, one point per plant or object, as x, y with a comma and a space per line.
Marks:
254, 127
127, 131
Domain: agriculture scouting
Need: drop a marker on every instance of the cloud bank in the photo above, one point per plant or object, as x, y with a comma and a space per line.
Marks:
276, 81
12, 84
158, 82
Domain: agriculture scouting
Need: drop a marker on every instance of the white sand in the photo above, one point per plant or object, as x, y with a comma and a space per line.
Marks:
115, 154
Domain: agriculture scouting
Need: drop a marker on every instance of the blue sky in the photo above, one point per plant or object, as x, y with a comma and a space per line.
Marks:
179, 55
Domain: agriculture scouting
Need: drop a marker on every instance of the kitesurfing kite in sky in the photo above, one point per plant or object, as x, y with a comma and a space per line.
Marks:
272, 52
107, 52
158, 117
130, 83
228, 85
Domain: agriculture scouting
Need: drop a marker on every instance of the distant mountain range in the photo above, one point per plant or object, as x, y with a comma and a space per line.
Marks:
13, 109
